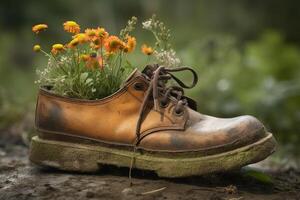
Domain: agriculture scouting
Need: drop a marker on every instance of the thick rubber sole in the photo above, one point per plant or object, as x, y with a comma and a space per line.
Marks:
90, 158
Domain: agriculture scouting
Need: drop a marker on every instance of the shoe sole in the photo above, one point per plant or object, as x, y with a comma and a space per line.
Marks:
90, 158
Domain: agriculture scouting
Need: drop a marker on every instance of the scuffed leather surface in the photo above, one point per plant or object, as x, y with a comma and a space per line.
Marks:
113, 120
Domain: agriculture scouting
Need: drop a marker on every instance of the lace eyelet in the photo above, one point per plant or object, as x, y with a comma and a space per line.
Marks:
139, 86
176, 113
163, 105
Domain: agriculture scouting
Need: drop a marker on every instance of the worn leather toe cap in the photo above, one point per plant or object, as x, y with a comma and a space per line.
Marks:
209, 134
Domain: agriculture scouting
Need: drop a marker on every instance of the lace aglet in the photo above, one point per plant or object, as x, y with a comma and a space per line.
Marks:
156, 105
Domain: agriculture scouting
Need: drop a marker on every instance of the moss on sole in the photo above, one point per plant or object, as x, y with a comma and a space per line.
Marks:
89, 158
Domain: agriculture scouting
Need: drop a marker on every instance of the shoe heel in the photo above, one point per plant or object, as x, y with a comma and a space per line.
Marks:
63, 156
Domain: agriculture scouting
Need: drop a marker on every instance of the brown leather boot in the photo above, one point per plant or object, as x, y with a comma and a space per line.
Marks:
148, 122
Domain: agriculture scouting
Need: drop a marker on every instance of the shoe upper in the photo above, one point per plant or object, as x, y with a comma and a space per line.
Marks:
147, 114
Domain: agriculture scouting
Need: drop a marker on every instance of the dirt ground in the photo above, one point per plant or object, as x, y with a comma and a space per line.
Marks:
21, 180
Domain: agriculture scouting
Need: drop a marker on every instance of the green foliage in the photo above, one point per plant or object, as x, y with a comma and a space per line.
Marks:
9, 113
75, 80
258, 175
16, 88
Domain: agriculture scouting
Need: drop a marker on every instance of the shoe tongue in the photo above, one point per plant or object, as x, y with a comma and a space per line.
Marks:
147, 71
133, 74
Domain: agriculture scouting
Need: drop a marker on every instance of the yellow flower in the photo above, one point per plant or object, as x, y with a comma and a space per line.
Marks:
82, 38
57, 48
73, 43
130, 45
71, 27
101, 33
113, 44
39, 27
96, 36
36, 48
147, 50
90, 33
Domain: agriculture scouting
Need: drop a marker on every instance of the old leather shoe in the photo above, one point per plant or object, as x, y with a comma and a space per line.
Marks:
149, 121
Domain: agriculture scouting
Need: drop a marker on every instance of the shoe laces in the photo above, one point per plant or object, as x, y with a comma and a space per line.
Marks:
161, 94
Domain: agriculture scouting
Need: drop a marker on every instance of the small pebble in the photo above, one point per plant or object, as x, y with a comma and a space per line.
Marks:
231, 189
127, 191
2, 153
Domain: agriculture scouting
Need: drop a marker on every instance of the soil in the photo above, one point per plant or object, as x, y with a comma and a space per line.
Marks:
19, 179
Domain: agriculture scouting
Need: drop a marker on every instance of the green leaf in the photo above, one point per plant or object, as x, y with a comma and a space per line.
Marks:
83, 77
89, 81
260, 176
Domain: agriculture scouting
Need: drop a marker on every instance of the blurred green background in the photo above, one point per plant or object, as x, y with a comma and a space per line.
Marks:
246, 52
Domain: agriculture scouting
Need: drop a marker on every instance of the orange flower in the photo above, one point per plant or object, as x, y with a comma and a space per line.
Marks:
96, 36
101, 33
39, 27
56, 48
71, 27
130, 45
147, 50
91, 33
113, 44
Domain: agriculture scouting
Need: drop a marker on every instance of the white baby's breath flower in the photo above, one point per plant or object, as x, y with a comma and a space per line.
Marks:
167, 58
147, 24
